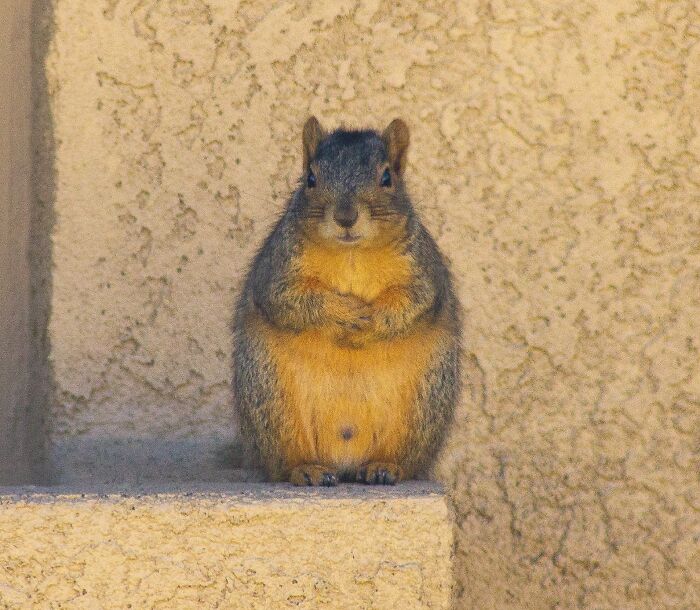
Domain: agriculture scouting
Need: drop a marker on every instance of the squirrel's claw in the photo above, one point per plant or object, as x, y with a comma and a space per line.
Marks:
379, 473
313, 475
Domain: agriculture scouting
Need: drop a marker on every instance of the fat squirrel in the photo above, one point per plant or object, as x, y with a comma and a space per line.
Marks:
347, 331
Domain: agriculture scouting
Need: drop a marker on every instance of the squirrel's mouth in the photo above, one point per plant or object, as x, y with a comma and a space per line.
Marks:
348, 238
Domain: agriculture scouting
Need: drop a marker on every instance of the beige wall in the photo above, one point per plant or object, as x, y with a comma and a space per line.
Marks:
229, 547
555, 158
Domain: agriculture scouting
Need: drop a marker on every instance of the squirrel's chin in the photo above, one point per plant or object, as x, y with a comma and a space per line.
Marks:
349, 239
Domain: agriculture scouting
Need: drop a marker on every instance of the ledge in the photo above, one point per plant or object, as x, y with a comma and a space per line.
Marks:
236, 545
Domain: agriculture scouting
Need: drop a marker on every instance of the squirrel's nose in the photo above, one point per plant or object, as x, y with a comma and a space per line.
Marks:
345, 216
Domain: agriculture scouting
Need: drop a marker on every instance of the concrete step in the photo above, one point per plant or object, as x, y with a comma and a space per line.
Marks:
225, 546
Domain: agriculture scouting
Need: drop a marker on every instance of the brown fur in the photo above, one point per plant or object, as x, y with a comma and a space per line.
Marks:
347, 353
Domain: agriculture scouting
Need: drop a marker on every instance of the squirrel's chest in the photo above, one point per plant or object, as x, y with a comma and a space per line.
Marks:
365, 273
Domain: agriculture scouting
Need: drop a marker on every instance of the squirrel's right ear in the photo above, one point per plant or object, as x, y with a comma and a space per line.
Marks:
313, 134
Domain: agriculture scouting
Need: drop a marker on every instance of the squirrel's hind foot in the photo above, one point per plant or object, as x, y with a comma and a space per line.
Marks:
314, 475
379, 473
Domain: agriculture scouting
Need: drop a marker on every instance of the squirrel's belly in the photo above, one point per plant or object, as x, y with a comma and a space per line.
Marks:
345, 406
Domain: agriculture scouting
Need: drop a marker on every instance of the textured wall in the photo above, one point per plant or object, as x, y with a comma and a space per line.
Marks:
258, 548
555, 157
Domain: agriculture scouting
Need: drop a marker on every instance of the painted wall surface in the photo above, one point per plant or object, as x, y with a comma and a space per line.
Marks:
555, 156
239, 549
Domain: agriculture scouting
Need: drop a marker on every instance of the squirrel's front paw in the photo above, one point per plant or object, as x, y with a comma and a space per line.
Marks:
354, 339
349, 311
379, 473
313, 474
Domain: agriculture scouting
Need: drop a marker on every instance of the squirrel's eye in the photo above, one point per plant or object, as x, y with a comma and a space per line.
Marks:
311, 180
385, 180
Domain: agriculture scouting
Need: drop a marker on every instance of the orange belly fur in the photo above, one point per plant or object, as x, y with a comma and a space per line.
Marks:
327, 388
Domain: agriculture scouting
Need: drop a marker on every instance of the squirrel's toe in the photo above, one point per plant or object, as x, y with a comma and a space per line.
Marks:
380, 473
313, 475
328, 479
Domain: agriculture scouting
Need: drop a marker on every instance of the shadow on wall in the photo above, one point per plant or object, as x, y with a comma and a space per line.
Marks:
121, 463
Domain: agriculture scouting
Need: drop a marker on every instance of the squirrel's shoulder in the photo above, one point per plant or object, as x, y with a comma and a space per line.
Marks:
433, 265
281, 243
424, 250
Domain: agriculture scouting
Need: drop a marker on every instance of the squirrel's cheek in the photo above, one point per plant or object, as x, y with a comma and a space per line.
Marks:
327, 229
372, 231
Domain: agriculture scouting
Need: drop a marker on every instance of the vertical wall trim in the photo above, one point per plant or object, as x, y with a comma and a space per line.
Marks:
18, 430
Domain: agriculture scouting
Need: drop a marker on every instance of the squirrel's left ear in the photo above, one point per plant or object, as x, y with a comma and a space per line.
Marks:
313, 134
396, 140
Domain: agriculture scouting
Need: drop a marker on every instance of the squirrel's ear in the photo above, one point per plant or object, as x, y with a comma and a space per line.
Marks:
396, 141
313, 134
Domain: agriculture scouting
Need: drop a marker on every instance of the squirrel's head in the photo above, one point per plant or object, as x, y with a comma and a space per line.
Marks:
352, 190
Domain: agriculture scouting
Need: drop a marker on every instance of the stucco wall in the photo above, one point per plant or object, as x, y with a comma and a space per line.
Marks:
256, 547
555, 158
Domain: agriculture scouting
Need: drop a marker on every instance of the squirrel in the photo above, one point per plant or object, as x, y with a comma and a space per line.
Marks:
347, 333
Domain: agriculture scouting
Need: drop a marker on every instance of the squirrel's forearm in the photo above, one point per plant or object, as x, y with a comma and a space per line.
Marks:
399, 306
292, 306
